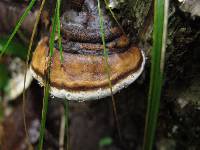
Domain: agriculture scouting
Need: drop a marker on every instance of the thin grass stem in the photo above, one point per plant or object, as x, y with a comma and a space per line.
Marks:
66, 112
114, 17
27, 64
47, 81
58, 27
107, 68
44, 113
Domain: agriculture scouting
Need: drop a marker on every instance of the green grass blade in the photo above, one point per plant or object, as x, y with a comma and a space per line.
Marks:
58, 27
44, 114
47, 82
107, 67
52, 36
157, 65
17, 26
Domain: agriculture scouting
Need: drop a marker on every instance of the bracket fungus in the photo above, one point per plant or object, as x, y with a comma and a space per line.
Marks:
82, 75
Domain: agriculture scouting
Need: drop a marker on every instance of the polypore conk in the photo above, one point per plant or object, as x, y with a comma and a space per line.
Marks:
82, 75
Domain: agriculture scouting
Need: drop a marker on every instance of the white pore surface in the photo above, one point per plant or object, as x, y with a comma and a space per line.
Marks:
93, 94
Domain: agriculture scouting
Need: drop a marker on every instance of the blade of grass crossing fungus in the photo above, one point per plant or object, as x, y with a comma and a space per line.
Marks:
27, 61
53, 33
66, 102
29, 7
157, 66
47, 81
58, 28
107, 68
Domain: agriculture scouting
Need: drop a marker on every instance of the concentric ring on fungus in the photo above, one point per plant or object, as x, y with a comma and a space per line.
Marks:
82, 75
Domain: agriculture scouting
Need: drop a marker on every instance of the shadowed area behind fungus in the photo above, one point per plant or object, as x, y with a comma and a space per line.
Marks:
89, 122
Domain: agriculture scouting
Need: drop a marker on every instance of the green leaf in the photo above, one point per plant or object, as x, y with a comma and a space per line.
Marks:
3, 76
106, 141
14, 48
1, 111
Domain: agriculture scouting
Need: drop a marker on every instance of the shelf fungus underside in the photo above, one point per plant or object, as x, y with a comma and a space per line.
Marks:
82, 75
